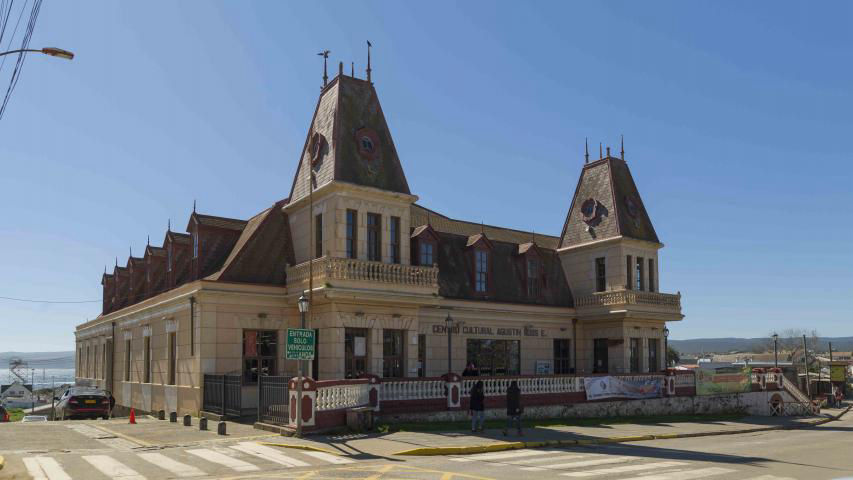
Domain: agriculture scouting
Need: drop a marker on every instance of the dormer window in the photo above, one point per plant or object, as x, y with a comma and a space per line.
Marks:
424, 246
533, 278
426, 253
481, 270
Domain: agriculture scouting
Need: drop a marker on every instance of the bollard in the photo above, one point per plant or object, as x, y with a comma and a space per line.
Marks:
173, 417
202, 423
220, 429
188, 420
161, 415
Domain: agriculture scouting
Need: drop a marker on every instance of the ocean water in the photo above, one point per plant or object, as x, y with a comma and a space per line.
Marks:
42, 377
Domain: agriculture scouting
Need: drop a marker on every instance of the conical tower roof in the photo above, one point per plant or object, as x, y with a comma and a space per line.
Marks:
349, 141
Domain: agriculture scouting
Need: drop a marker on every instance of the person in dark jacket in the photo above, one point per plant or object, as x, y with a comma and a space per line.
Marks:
477, 407
513, 407
470, 371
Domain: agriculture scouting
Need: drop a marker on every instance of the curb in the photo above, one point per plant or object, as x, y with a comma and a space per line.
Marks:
303, 447
497, 447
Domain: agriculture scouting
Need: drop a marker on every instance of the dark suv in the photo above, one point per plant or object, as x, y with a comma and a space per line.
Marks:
82, 402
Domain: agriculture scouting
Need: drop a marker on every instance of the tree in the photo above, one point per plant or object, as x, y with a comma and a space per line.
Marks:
672, 356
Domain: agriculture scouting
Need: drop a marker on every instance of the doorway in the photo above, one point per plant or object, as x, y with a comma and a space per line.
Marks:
599, 356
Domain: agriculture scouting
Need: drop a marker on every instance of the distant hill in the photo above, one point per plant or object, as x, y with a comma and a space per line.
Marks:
39, 359
721, 345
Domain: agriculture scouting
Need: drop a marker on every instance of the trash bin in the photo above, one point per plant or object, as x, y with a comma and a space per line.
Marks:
360, 419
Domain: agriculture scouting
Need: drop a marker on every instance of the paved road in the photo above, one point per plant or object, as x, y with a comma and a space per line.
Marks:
99, 450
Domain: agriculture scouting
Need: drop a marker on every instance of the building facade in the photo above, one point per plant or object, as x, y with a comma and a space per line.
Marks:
397, 290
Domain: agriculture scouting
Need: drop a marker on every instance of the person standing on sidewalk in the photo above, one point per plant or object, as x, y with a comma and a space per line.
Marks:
477, 407
513, 407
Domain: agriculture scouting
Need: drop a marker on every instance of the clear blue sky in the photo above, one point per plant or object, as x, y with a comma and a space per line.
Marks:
736, 120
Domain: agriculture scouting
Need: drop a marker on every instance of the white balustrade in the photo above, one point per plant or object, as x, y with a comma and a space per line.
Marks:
412, 390
629, 297
336, 397
334, 268
685, 380
497, 386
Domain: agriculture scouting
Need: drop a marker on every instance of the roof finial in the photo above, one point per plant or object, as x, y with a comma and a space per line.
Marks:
622, 152
600, 155
482, 227
169, 226
608, 152
116, 261
105, 269
131, 251
340, 69
193, 205
368, 61
325, 55
149, 240
586, 150
352, 69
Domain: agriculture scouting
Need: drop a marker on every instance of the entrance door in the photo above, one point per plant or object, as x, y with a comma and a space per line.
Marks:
599, 356
392, 353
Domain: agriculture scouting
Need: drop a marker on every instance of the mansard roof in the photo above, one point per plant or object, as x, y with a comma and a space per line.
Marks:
217, 222
349, 141
606, 204
455, 265
263, 251
423, 216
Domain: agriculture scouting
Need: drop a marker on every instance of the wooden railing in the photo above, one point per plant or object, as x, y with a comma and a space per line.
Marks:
630, 297
334, 268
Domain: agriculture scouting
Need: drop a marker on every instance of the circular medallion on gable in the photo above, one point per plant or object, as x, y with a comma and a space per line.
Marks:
368, 145
317, 148
591, 211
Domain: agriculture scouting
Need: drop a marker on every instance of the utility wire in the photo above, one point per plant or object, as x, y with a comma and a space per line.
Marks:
29, 300
19, 64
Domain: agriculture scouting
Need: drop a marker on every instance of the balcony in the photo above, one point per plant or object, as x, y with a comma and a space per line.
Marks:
334, 272
661, 304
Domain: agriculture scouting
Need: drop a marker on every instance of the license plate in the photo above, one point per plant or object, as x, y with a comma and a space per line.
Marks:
90, 402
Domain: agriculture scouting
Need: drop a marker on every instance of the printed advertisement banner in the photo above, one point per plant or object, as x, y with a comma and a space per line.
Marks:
616, 387
838, 373
714, 382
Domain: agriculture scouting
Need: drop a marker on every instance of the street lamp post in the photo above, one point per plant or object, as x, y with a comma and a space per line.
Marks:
449, 324
776, 350
52, 51
666, 346
303, 307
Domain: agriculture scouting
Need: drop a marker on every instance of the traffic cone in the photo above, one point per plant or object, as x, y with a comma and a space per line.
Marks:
132, 416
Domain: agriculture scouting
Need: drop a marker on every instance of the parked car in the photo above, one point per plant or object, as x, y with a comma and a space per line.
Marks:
82, 402
34, 418
4, 415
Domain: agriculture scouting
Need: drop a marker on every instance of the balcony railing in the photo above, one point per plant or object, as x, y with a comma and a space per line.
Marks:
350, 269
630, 297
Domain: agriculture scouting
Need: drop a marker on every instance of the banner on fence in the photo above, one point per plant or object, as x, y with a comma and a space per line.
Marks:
616, 387
711, 381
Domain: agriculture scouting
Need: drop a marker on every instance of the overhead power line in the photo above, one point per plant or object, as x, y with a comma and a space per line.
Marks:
30, 300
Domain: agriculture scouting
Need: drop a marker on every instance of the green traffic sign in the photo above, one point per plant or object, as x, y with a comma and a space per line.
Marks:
300, 344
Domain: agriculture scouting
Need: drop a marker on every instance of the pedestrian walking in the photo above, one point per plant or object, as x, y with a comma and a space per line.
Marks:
513, 407
477, 407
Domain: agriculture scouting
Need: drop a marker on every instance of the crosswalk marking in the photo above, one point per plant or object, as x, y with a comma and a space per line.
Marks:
328, 457
222, 459
268, 453
502, 455
555, 458
686, 474
582, 463
624, 469
112, 468
45, 468
175, 467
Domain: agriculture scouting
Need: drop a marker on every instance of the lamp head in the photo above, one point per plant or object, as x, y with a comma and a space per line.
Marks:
302, 303
57, 52
665, 332
775, 337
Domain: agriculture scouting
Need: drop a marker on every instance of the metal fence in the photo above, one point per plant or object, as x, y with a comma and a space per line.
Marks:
223, 394
273, 399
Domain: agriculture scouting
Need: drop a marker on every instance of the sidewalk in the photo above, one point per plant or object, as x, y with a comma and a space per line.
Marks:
444, 443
